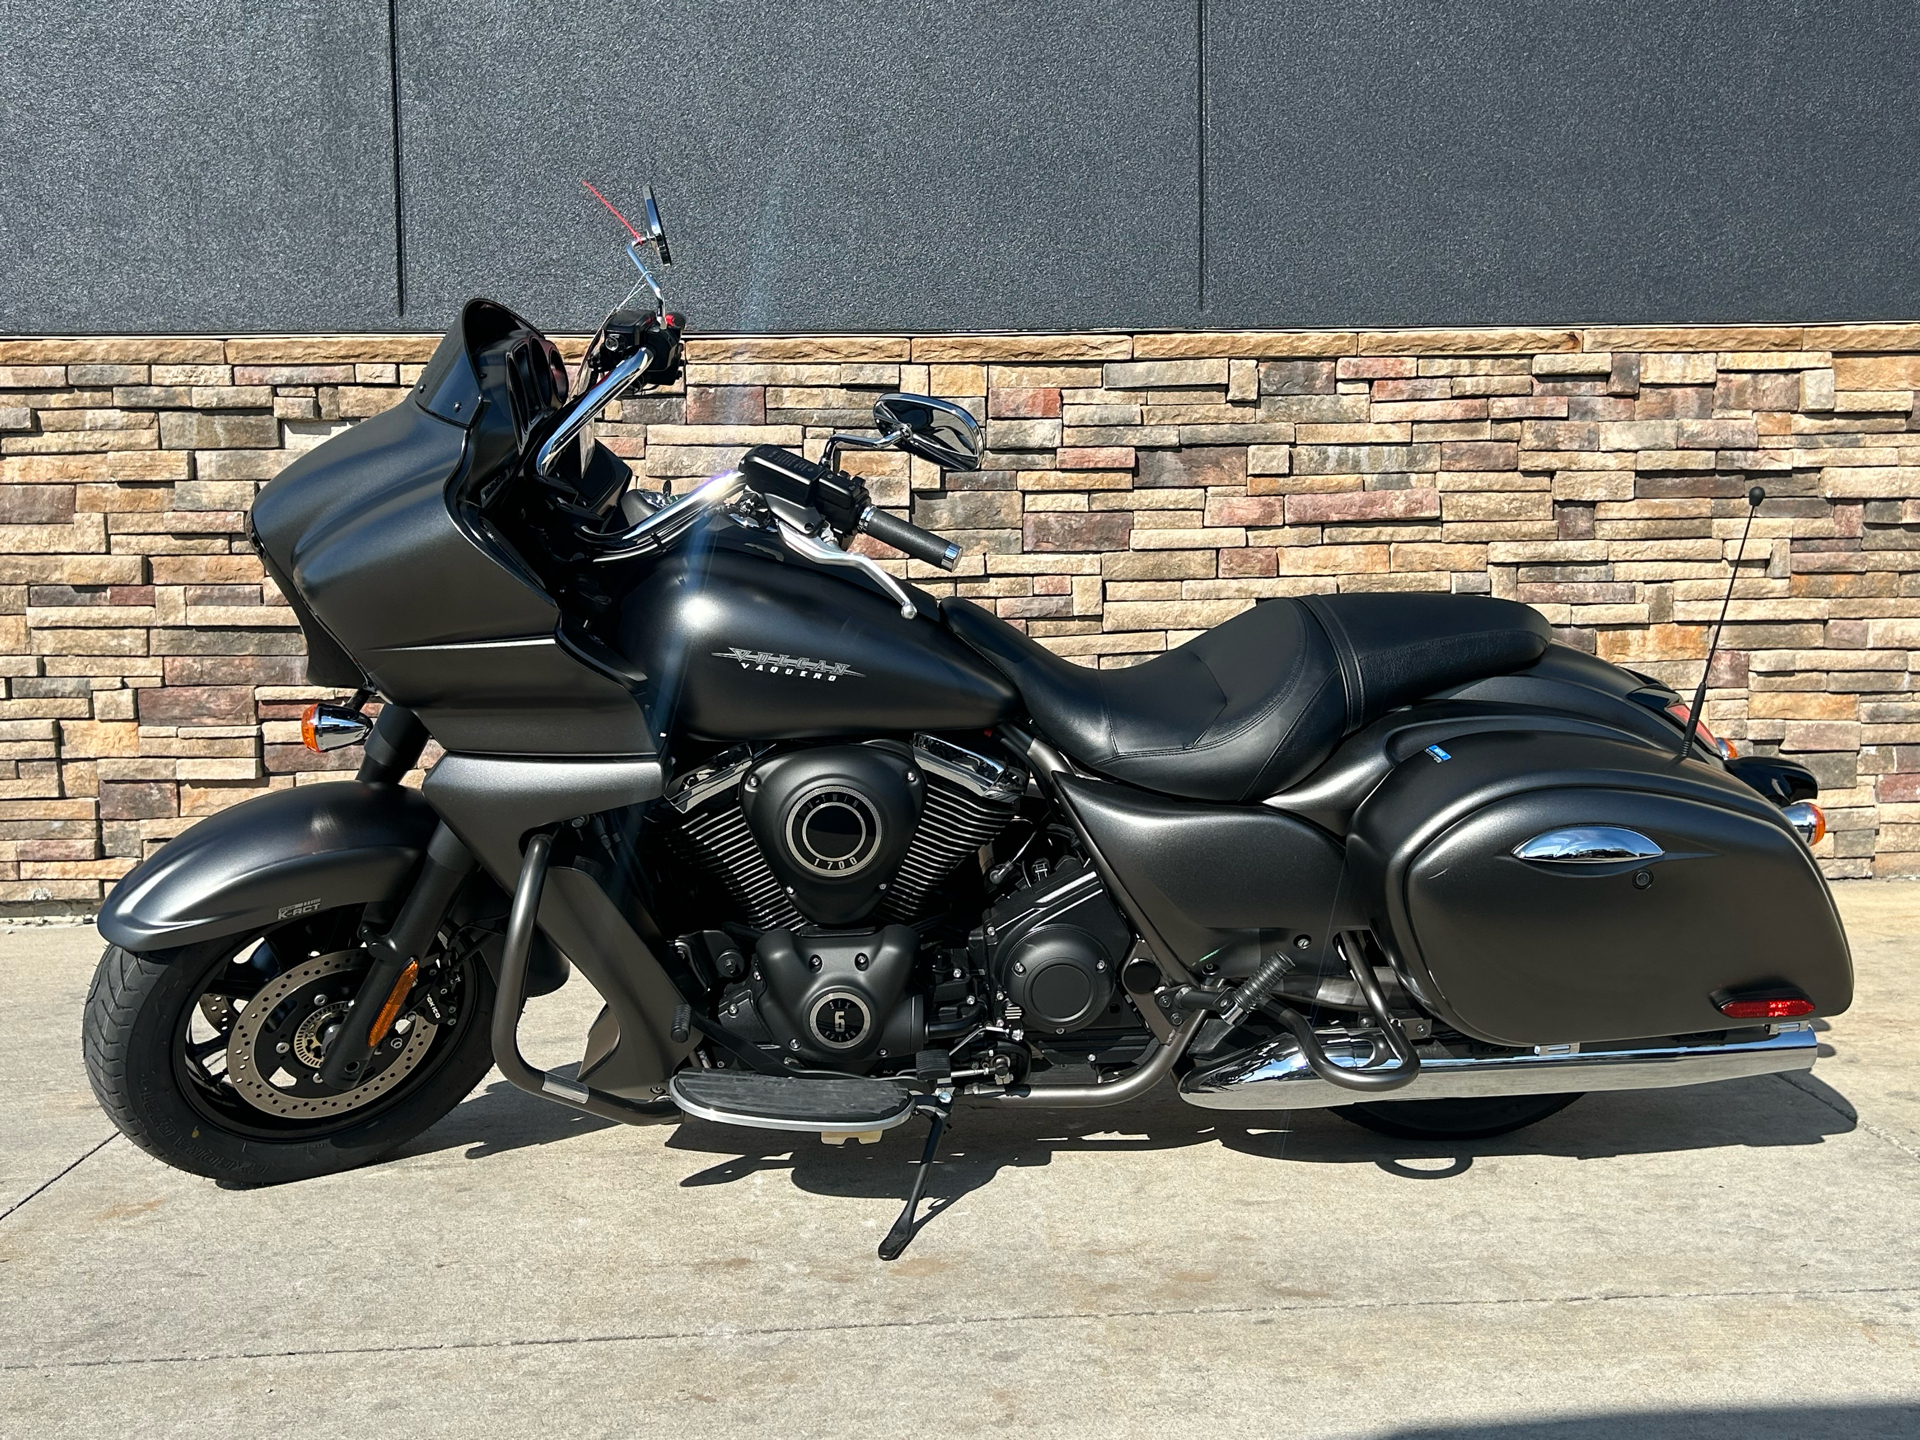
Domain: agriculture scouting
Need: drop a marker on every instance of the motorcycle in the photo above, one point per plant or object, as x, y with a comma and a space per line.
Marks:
835, 855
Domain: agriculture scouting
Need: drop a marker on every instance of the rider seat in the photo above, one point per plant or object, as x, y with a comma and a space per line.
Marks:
1257, 703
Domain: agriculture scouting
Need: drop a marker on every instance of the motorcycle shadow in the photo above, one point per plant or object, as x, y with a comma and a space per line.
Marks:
499, 1117
984, 1140
1764, 1111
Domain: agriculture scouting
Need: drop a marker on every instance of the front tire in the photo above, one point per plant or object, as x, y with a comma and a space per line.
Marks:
1478, 1119
166, 1091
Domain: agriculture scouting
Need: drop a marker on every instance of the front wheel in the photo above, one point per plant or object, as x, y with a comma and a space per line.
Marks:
1476, 1119
205, 1057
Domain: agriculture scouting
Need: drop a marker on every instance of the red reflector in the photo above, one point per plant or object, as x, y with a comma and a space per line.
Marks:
1766, 1009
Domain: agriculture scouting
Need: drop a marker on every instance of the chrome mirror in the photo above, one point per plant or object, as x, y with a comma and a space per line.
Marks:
936, 430
657, 232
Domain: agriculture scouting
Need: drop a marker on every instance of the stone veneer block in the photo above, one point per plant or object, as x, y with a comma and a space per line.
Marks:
805, 349
1694, 337
1245, 344
328, 349
1010, 348
1863, 337
99, 349
1466, 342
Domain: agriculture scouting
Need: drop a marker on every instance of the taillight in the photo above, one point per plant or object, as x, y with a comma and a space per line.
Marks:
1680, 715
1784, 1008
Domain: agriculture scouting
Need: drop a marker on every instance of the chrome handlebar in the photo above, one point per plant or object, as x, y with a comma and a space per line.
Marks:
671, 520
622, 379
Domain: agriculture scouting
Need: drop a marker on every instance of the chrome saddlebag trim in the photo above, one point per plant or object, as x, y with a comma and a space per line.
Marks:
1275, 1076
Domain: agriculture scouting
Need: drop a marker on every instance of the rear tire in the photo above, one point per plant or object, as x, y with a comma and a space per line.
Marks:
135, 1040
1455, 1119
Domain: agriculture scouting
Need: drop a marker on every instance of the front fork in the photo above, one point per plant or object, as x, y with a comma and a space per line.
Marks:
392, 748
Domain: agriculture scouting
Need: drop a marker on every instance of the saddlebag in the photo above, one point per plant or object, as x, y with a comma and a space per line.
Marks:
1659, 889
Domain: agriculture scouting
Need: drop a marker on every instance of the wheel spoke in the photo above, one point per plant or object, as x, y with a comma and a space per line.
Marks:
200, 1051
235, 983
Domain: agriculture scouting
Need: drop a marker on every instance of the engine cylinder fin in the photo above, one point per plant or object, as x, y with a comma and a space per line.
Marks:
721, 840
953, 825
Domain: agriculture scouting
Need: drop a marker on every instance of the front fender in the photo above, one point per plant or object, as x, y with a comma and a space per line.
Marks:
272, 858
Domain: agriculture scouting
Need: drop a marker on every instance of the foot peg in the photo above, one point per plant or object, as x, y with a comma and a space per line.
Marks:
830, 1108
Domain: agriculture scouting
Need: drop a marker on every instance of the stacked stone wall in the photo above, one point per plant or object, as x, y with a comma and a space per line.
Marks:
1137, 490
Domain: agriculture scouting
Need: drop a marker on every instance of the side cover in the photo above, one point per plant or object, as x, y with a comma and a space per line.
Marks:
274, 857
1231, 883
1552, 950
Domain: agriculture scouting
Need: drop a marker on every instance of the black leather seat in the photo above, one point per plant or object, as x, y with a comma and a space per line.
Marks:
1255, 704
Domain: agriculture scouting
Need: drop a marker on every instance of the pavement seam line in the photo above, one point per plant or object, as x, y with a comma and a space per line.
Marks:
47, 1185
1847, 1112
959, 1321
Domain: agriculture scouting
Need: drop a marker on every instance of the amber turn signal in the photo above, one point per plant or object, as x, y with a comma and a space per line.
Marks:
332, 727
1808, 819
402, 987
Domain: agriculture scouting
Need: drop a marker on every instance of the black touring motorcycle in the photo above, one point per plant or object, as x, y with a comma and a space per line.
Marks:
834, 854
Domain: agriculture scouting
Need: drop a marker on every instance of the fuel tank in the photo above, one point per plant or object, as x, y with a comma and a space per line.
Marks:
745, 645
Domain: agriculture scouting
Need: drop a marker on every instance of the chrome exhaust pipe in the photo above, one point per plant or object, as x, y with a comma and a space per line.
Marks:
1275, 1076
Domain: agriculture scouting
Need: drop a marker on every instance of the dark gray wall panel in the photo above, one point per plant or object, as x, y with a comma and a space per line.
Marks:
219, 166
822, 165
1407, 163
215, 166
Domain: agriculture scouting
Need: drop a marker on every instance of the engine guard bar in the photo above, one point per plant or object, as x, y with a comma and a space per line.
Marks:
512, 996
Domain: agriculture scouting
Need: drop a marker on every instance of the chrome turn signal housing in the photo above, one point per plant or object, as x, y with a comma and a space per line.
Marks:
1808, 820
332, 727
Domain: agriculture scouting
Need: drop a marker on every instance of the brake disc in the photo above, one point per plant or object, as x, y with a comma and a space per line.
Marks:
275, 1048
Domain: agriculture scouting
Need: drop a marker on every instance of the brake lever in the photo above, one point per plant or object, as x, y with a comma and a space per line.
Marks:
812, 547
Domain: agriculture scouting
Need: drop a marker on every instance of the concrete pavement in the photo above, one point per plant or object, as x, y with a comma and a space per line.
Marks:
1731, 1260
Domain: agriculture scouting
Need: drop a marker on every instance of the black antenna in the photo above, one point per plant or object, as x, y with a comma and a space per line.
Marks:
1754, 497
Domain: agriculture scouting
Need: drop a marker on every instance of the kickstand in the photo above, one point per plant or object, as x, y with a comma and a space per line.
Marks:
936, 1107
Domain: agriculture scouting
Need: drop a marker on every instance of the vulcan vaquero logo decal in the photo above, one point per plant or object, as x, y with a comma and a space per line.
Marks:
787, 664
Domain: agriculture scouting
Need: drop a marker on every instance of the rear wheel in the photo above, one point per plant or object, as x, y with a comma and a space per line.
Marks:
205, 1057
1455, 1119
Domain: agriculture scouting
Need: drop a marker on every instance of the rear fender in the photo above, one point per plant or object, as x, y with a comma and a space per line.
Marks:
271, 859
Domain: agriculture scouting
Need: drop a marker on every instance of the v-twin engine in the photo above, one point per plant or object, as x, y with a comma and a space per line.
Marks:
842, 834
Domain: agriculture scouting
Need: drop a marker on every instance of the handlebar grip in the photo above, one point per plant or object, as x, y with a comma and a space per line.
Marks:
910, 540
